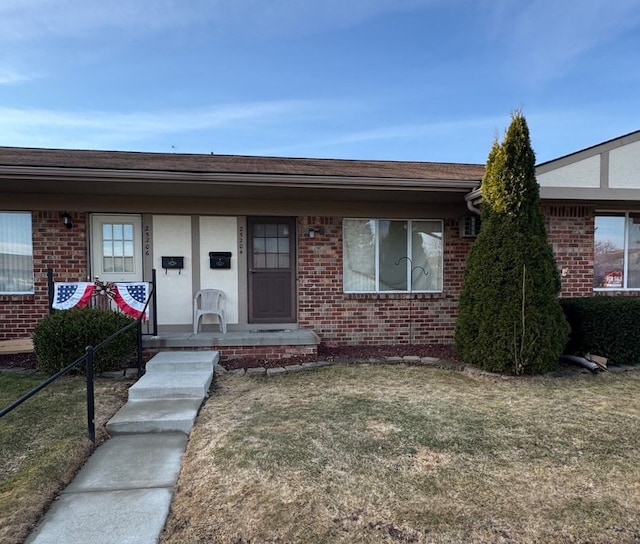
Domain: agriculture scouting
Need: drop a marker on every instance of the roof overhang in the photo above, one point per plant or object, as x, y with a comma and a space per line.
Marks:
95, 182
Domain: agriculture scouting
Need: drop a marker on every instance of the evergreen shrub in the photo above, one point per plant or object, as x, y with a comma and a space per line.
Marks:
61, 338
510, 319
606, 326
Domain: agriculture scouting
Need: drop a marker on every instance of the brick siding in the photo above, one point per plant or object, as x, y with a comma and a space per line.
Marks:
55, 247
570, 230
375, 319
339, 319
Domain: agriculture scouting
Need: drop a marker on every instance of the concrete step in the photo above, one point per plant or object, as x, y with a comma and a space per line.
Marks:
155, 416
183, 361
171, 385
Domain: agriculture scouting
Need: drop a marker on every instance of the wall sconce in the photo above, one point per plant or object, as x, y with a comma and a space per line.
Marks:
313, 231
66, 220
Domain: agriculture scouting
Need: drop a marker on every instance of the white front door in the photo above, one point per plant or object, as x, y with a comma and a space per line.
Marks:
116, 248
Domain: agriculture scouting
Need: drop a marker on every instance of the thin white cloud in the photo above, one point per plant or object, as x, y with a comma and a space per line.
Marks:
46, 36
481, 129
542, 38
11, 77
30, 19
102, 129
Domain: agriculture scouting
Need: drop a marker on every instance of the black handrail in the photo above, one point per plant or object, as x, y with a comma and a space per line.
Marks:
89, 359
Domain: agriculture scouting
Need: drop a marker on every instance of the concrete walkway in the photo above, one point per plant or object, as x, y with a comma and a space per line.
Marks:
123, 493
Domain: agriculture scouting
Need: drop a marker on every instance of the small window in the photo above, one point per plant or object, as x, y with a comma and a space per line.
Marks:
117, 248
16, 253
402, 256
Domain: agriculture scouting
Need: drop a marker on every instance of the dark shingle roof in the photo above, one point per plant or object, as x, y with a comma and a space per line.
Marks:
236, 164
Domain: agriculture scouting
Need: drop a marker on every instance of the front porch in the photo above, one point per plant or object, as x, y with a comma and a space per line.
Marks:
233, 345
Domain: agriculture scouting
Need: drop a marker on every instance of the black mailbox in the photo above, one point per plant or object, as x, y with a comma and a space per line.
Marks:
220, 259
173, 263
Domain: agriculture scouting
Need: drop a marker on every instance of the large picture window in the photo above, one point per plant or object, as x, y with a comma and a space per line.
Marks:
16, 253
389, 255
617, 251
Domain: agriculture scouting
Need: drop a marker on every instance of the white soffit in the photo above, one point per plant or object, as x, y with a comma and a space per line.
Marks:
624, 167
580, 174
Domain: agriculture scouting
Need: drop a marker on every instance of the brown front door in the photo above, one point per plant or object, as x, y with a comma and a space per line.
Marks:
272, 261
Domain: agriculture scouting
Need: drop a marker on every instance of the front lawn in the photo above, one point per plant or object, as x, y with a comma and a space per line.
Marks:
373, 453
44, 442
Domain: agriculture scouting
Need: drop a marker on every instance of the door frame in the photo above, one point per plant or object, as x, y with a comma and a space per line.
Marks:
293, 240
96, 247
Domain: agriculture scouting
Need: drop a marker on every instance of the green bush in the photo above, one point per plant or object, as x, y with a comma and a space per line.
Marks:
607, 326
61, 338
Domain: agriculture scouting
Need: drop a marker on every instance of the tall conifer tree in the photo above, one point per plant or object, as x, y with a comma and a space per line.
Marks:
510, 319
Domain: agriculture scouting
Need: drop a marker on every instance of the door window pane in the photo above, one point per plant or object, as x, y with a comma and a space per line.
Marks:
128, 264
283, 261
271, 245
283, 231
271, 230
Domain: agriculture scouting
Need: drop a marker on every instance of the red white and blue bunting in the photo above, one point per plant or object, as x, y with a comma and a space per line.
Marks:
71, 295
129, 297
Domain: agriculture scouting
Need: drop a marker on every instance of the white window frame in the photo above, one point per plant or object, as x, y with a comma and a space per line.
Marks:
625, 261
30, 237
410, 268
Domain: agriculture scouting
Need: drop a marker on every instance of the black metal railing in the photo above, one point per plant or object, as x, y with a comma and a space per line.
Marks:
89, 361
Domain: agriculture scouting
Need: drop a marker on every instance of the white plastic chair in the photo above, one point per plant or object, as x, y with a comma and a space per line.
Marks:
209, 301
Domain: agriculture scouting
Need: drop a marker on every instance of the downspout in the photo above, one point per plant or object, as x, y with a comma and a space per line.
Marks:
476, 194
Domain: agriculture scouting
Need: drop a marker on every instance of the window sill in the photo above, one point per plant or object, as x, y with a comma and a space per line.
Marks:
395, 296
8, 297
616, 290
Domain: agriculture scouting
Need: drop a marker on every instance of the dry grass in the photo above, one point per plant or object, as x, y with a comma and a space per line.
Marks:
407, 454
44, 442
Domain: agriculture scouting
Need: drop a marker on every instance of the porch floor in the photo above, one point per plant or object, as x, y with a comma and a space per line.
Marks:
286, 337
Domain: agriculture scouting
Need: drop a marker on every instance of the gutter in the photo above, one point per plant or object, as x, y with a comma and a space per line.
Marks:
474, 198
272, 180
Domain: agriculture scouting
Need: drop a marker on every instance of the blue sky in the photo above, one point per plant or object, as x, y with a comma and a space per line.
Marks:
428, 80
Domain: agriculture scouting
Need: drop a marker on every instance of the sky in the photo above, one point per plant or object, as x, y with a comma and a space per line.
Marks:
417, 80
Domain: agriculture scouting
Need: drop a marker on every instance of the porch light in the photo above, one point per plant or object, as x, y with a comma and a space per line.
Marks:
313, 231
66, 220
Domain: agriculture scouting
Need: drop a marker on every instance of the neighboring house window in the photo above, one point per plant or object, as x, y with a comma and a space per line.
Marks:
382, 255
617, 251
16, 253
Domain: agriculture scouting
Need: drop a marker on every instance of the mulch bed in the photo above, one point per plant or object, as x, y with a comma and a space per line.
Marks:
346, 354
26, 361
325, 353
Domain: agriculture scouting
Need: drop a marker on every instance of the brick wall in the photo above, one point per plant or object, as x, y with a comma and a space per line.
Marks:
338, 318
374, 319
253, 353
570, 230
56, 247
